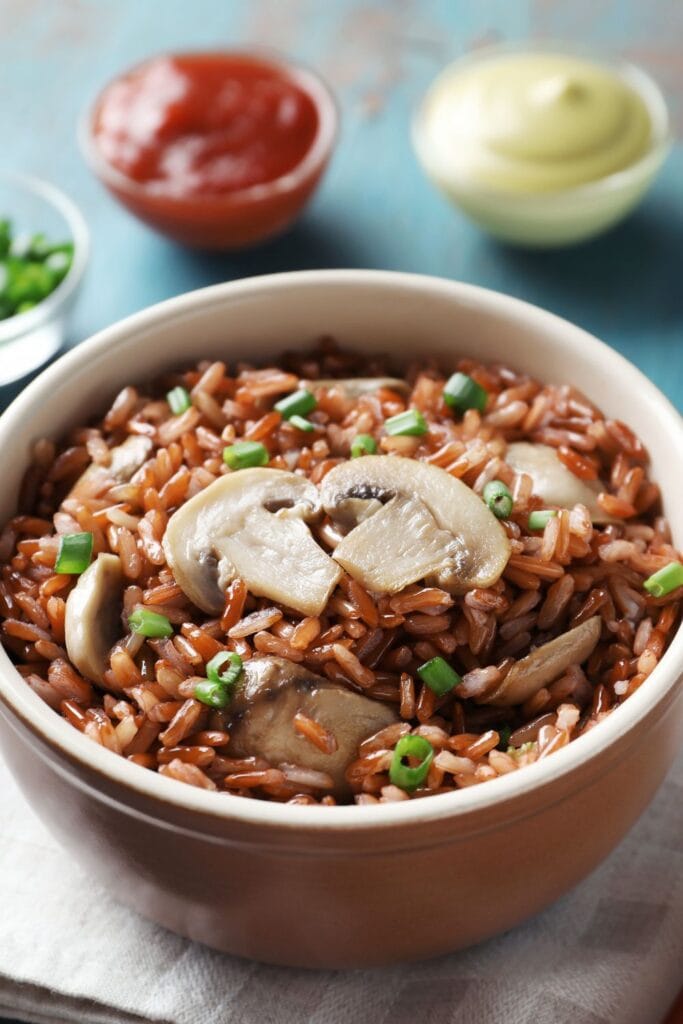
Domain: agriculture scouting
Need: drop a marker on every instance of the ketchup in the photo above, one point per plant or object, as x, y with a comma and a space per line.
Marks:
204, 124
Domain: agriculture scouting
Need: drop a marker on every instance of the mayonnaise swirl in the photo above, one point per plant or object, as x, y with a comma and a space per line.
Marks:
533, 122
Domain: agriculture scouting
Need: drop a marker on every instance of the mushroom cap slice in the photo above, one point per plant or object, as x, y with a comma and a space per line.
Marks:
126, 459
251, 524
357, 386
410, 520
552, 481
92, 622
545, 664
270, 693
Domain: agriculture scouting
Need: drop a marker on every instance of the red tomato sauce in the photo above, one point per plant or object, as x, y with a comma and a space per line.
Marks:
204, 124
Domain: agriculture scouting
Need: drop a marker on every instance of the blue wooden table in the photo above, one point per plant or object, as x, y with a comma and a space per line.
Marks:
374, 209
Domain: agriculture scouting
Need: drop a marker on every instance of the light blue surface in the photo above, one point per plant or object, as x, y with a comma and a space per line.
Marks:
374, 209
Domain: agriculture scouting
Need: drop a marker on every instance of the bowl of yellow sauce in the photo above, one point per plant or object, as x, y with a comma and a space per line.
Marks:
541, 146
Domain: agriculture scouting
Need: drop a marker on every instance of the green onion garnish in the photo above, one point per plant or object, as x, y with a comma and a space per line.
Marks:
665, 580
462, 393
58, 263
504, 732
403, 775
406, 424
244, 454
539, 520
148, 623
363, 444
299, 403
31, 267
215, 668
209, 692
179, 400
498, 498
75, 552
215, 689
301, 423
438, 675
5, 237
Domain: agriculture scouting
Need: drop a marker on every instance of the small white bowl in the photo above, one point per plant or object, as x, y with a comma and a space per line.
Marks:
562, 217
29, 339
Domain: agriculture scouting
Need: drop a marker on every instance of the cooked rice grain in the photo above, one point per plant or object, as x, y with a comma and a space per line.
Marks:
373, 643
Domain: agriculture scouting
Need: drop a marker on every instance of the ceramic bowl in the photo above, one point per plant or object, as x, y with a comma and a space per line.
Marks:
343, 886
545, 220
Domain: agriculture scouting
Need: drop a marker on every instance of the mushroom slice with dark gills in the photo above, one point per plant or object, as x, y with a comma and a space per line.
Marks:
125, 459
408, 521
253, 524
545, 664
92, 622
552, 481
270, 693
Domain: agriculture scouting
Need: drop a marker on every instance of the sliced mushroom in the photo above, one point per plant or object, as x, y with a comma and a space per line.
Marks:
92, 622
409, 520
126, 459
273, 690
251, 524
357, 386
545, 664
552, 481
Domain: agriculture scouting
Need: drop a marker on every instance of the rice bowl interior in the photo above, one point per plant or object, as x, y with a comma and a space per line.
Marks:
334, 579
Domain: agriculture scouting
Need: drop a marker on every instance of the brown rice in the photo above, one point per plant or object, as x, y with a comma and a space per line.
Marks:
368, 642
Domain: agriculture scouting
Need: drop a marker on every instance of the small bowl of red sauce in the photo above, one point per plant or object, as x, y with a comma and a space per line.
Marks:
216, 150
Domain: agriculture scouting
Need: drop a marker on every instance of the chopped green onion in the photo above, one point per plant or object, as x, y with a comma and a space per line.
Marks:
28, 281
58, 264
406, 424
462, 393
299, 403
244, 454
5, 237
39, 247
228, 677
498, 498
145, 622
363, 444
31, 267
504, 732
179, 400
215, 689
301, 423
215, 695
539, 520
525, 748
438, 675
665, 580
75, 552
402, 775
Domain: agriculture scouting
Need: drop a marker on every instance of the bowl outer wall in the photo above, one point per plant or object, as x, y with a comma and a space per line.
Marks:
377, 311
320, 908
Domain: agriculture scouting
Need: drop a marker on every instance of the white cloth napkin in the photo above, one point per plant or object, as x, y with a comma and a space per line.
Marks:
610, 952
